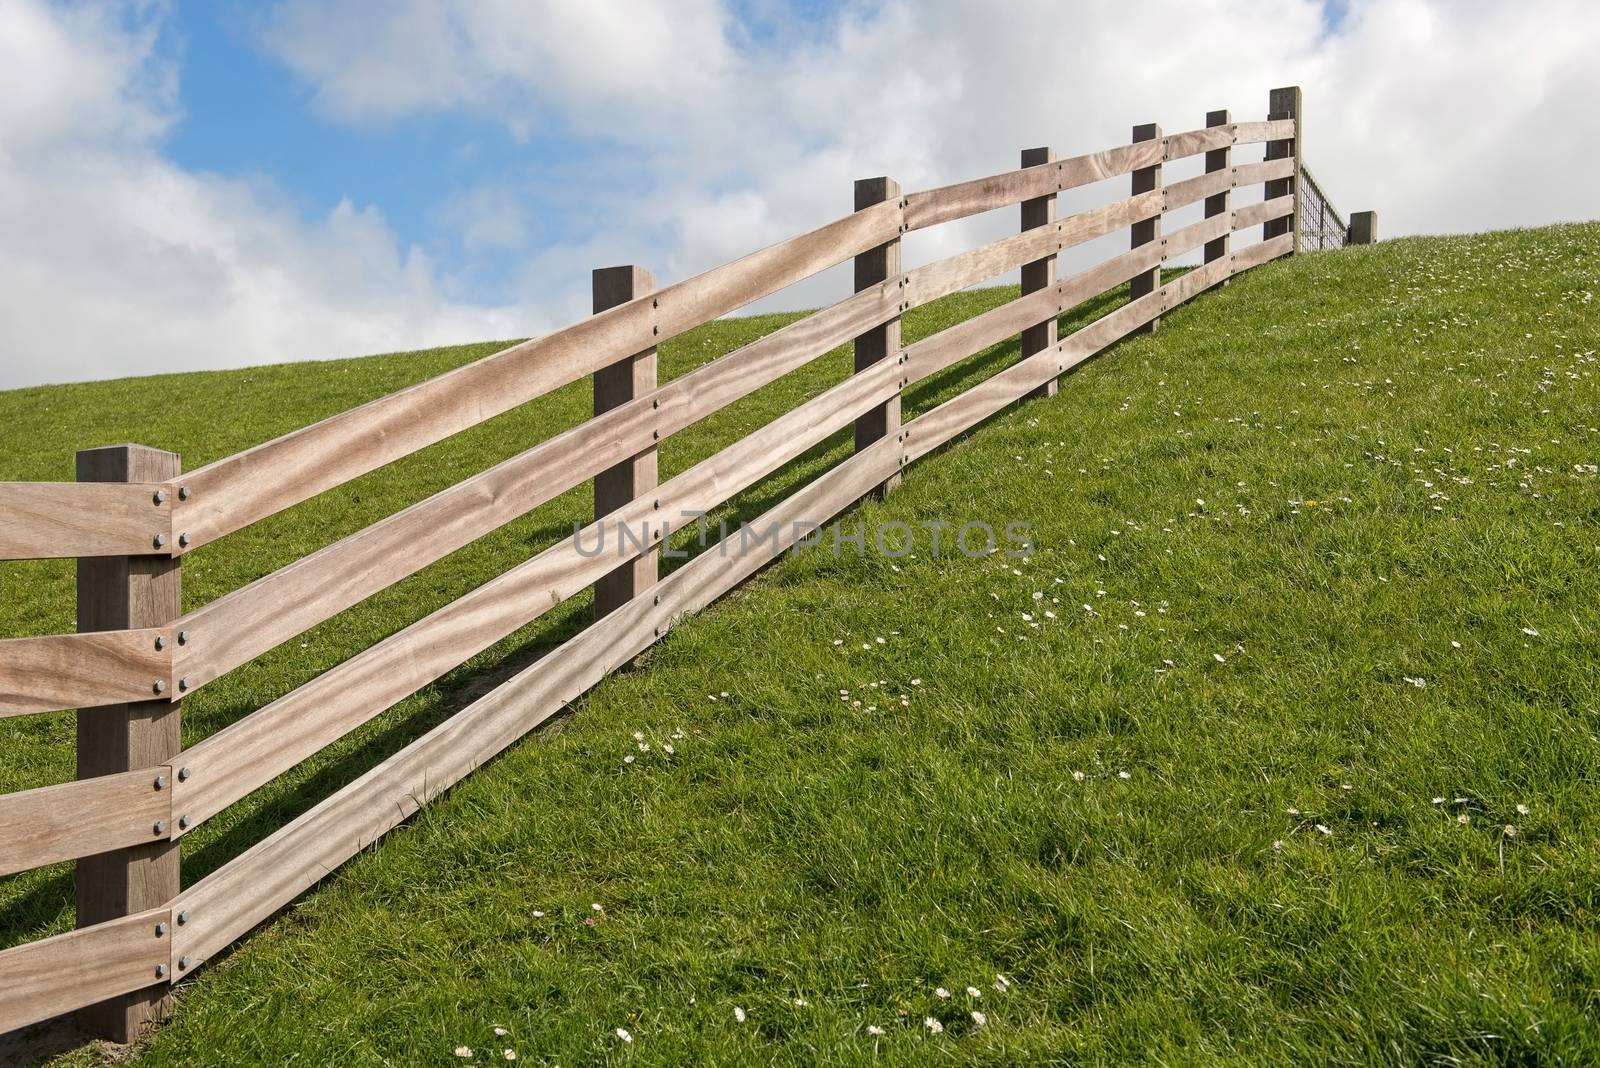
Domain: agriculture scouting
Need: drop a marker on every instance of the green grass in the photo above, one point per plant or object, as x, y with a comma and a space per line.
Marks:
1168, 774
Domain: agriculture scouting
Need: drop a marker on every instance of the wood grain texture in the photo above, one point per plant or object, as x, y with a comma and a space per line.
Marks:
124, 593
1247, 174
1254, 133
242, 625
79, 819
1201, 186
1219, 161
1193, 142
59, 520
628, 378
59, 671
252, 751
235, 492
54, 975
934, 353
247, 890
1261, 211
955, 273
874, 268
962, 199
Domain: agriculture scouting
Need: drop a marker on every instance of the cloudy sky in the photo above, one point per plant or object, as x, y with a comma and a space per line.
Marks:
201, 185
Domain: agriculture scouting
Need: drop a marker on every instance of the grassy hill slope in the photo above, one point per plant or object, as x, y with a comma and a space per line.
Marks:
1279, 748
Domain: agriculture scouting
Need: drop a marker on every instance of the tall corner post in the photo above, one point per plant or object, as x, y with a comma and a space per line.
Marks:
1040, 273
1285, 104
1363, 228
1146, 180
874, 267
1219, 159
614, 385
129, 593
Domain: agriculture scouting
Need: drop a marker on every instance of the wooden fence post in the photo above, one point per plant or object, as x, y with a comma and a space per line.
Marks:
616, 486
1040, 273
124, 593
1146, 179
1363, 228
1285, 104
873, 267
1218, 159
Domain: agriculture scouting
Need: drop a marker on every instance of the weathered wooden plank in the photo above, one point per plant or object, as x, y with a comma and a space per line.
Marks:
126, 593
43, 979
1262, 211
1262, 251
1193, 142
1196, 234
57, 520
242, 625
249, 889
1201, 186
252, 751
937, 351
962, 199
614, 386
1254, 133
236, 491
57, 671
84, 817
1247, 174
955, 273
242, 893
938, 425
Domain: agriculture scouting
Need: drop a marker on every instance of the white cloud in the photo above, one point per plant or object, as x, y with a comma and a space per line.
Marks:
705, 142
1443, 115
117, 262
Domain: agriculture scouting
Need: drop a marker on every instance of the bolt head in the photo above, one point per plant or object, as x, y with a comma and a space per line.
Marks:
161, 643
159, 540
183, 493
183, 823
183, 683
161, 782
161, 929
159, 496
183, 774
158, 686
183, 917
160, 827
161, 971
184, 962
183, 637
183, 539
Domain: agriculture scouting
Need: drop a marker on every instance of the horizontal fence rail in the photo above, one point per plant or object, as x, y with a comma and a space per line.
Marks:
139, 802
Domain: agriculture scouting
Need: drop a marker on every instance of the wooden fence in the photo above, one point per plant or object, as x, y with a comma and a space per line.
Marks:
133, 515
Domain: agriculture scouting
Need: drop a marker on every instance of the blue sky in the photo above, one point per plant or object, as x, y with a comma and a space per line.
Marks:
313, 178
